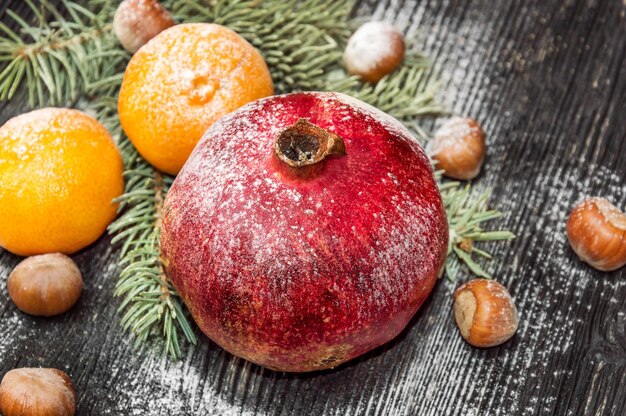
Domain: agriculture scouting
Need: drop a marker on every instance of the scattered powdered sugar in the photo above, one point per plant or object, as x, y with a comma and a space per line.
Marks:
388, 121
552, 308
177, 389
449, 134
551, 295
610, 212
10, 323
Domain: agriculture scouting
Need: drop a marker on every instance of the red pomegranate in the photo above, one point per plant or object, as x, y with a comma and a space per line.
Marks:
305, 230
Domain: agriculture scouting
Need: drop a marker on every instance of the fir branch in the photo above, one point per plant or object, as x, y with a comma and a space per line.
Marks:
150, 300
404, 94
466, 213
62, 55
301, 41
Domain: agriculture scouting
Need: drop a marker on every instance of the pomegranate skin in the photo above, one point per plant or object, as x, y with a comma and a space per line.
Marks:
303, 273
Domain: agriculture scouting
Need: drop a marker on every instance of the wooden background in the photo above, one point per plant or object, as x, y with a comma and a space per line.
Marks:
547, 78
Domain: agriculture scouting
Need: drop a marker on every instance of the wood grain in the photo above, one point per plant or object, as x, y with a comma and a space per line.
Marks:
548, 82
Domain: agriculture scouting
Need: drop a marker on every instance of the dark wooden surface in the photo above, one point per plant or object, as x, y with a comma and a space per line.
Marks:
548, 81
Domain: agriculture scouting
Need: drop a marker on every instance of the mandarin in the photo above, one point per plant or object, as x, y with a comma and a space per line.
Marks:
59, 173
181, 82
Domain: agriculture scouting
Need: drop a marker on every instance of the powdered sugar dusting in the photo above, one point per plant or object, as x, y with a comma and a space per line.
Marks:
175, 391
552, 297
551, 304
613, 215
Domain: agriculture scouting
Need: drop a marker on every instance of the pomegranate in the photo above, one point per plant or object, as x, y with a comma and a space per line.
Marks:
305, 230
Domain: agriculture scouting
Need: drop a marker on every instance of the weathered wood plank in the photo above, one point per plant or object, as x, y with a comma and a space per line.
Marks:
548, 82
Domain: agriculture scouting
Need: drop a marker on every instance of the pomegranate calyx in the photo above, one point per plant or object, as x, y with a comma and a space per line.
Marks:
305, 144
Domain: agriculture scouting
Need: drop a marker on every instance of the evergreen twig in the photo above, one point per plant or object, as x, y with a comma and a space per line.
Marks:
300, 40
150, 300
404, 94
466, 214
61, 55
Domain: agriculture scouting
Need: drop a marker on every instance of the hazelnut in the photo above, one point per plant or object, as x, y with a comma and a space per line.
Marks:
596, 230
45, 285
137, 21
37, 392
373, 51
459, 148
485, 313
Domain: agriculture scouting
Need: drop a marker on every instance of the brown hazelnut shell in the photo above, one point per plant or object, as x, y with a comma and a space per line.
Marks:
458, 147
45, 285
37, 392
137, 21
485, 313
596, 230
374, 50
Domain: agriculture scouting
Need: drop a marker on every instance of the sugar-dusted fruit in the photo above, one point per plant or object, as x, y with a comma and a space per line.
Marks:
181, 82
305, 230
60, 172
